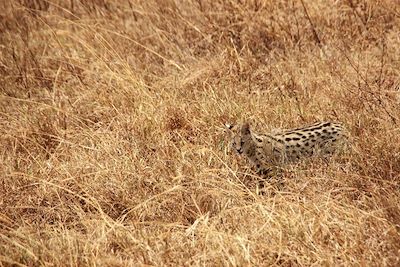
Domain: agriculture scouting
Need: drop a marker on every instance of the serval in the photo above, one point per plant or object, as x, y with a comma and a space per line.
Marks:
278, 147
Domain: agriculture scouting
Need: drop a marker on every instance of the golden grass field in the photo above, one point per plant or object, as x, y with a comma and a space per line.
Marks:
112, 139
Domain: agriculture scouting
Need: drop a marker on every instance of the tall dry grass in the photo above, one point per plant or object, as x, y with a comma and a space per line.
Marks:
113, 151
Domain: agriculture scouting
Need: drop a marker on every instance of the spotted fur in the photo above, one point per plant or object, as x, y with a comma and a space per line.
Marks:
285, 146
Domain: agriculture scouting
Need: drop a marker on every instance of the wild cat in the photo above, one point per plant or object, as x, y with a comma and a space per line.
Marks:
276, 148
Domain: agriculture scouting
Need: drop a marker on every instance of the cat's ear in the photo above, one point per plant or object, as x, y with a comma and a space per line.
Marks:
245, 128
229, 126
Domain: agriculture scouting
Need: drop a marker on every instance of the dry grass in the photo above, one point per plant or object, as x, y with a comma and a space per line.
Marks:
113, 151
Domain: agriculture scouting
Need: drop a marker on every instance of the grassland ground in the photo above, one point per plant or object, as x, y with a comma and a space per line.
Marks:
113, 150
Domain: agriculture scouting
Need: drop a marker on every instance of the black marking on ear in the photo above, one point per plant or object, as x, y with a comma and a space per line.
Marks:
229, 126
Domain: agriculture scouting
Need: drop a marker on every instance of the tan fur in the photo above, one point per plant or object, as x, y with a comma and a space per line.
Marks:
279, 147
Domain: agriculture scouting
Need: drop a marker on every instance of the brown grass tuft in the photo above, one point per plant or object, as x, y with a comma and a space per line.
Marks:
113, 146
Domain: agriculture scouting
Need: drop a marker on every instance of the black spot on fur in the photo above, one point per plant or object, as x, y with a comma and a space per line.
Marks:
324, 130
326, 124
296, 138
287, 139
316, 128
